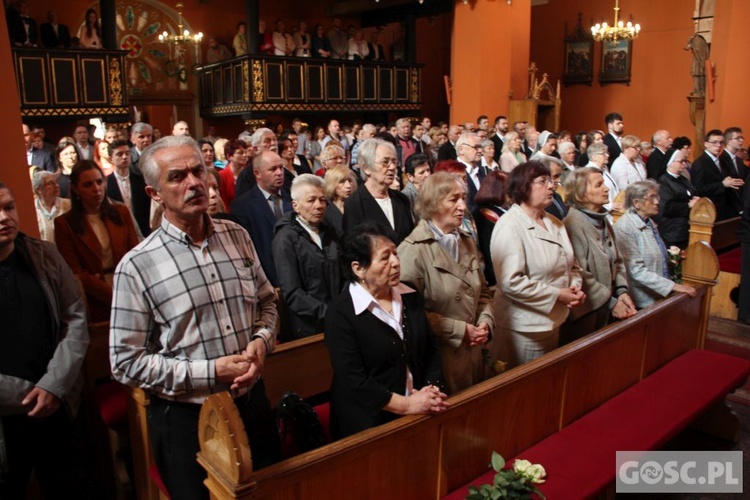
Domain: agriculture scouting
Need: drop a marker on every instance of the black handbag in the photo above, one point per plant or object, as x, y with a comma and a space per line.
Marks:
299, 425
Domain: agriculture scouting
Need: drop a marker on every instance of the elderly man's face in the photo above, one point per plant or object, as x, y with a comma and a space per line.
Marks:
469, 150
270, 175
453, 132
180, 128
142, 139
268, 142
404, 129
182, 184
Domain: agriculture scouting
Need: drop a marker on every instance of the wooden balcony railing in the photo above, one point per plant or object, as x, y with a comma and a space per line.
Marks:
71, 83
256, 84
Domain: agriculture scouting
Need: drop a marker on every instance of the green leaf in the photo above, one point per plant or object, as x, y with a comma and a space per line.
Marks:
495, 495
498, 462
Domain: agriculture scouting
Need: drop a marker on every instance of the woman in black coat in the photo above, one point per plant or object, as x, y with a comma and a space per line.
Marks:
492, 201
307, 266
386, 360
677, 196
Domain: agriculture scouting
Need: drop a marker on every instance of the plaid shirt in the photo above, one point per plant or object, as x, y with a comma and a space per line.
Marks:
178, 306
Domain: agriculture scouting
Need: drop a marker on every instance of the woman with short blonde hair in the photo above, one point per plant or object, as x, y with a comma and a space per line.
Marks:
512, 154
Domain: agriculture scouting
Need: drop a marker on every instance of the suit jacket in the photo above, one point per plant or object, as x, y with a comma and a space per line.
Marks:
674, 211
362, 206
740, 170
455, 293
42, 159
485, 217
614, 148
498, 146
707, 179
418, 148
603, 272
83, 252
138, 197
557, 207
656, 165
52, 40
304, 166
531, 265
369, 361
255, 215
471, 191
245, 181
643, 260
17, 30
447, 151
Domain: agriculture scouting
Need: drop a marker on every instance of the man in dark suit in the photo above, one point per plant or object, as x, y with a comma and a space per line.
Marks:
710, 176
615, 130
258, 209
743, 234
54, 35
36, 157
374, 200
22, 29
501, 128
448, 150
127, 185
734, 142
557, 208
140, 136
656, 165
468, 147
376, 52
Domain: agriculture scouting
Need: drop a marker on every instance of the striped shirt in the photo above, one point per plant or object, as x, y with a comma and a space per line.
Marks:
177, 306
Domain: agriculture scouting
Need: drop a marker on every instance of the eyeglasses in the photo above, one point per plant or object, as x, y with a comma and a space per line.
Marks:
477, 147
716, 143
654, 198
386, 162
337, 158
545, 181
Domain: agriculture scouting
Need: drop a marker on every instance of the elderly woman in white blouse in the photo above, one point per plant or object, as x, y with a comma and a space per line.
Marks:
48, 203
512, 153
628, 167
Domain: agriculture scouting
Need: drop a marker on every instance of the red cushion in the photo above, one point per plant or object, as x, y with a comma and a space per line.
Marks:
643, 417
153, 473
730, 261
324, 415
112, 403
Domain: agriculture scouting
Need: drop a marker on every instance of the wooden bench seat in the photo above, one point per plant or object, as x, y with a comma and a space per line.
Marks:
643, 417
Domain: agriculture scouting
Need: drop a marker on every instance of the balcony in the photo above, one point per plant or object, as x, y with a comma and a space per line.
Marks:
257, 85
71, 83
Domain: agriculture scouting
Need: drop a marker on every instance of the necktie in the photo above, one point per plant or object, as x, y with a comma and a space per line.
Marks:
276, 206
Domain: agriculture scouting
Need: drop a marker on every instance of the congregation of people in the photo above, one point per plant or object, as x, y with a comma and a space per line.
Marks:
25, 31
425, 254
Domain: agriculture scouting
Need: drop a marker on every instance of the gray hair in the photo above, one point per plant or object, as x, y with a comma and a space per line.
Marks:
596, 149
565, 147
638, 191
257, 137
148, 164
370, 128
139, 127
487, 143
304, 181
401, 121
366, 154
464, 139
37, 180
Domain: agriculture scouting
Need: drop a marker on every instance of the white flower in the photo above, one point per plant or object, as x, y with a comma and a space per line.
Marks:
536, 473
674, 251
520, 466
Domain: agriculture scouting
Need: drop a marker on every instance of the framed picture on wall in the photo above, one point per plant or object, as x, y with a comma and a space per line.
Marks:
616, 62
579, 57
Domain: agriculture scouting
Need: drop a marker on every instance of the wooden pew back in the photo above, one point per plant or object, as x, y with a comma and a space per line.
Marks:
425, 457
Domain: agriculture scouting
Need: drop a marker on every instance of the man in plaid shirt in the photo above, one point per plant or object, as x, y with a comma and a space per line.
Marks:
192, 313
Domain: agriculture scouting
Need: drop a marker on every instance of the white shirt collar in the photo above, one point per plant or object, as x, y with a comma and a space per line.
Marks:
363, 300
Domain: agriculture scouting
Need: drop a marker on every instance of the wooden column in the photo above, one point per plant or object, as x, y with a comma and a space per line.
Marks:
490, 49
15, 173
252, 15
108, 14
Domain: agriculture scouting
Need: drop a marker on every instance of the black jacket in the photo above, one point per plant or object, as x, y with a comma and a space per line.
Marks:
656, 165
485, 225
369, 361
362, 206
52, 40
309, 277
674, 212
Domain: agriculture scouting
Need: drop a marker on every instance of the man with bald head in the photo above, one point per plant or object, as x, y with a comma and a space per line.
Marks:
656, 165
262, 206
180, 327
263, 139
181, 128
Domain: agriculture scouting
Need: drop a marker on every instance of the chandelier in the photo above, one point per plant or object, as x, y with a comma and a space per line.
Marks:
618, 31
177, 42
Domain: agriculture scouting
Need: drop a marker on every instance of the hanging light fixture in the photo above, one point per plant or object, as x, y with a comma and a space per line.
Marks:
602, 32
182, 38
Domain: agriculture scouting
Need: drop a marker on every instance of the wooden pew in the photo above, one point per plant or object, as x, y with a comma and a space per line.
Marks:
426, 457
722, 236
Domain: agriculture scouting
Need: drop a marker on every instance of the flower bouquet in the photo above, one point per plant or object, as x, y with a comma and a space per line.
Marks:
674, 260
519, 482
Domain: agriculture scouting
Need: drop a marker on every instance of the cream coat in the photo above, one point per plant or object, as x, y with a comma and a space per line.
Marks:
455, 294
531, 265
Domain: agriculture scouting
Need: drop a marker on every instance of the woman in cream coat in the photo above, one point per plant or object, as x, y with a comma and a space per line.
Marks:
441, 260
538, 281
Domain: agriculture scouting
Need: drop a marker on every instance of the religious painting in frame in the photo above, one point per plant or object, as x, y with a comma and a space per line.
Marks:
616, 62
579, 57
